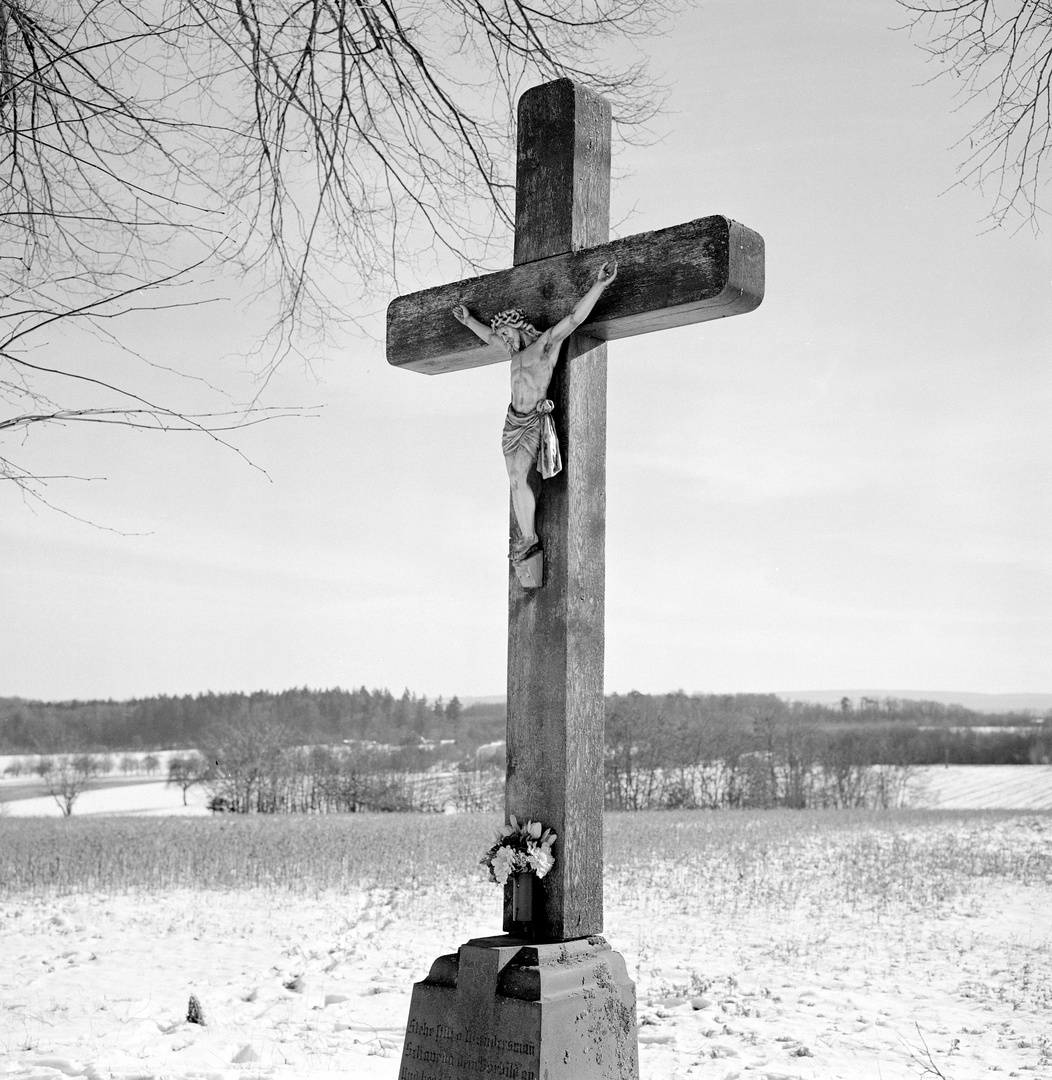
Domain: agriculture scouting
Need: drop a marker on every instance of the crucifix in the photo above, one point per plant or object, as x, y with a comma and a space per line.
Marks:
705, 269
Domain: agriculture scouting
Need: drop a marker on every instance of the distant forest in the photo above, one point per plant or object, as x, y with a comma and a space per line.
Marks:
309, 717
639, 727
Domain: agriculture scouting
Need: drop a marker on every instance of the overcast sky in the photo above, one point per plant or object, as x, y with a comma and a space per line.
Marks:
848, 487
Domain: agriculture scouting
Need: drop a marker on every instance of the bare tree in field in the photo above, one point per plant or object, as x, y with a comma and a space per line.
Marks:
1000, 54
156, 154
186, 771
67, 777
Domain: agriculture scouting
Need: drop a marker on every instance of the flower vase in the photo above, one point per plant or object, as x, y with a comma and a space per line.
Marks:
522, 897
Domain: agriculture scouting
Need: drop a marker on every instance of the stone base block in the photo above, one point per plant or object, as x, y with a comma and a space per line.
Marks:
505, 1009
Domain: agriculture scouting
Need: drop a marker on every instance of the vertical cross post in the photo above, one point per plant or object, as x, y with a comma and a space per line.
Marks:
556, 633
559, 1008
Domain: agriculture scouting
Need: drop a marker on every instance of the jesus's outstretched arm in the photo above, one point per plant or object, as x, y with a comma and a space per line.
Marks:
480, 329
583, 308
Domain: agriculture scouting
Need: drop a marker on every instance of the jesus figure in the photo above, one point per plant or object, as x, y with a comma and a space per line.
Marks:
529, 434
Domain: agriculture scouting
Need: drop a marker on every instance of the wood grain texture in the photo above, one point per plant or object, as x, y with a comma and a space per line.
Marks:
556, 657
708, 268
705, 269
556, 633
562, 171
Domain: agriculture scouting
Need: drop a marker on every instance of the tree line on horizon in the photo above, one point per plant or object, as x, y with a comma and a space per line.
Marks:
174, 722
889, 730
680, 751
358, 751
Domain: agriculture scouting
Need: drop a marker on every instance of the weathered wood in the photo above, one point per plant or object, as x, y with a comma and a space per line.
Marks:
556, 633
705, 269
556, 638
562, 171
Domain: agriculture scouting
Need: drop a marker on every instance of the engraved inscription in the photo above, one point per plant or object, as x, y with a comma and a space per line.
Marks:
444, 1049
502, 1070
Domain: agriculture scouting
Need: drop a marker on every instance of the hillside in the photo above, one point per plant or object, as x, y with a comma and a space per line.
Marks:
984, 703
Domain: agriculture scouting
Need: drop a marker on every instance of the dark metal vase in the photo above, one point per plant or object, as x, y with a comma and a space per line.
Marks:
522, 897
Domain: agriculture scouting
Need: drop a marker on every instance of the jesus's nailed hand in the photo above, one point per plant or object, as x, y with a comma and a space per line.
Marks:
607, 272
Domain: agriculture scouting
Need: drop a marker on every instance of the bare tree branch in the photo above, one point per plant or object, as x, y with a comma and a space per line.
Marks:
1000, 54
311, 147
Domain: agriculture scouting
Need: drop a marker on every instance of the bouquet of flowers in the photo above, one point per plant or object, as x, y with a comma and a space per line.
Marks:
520, 848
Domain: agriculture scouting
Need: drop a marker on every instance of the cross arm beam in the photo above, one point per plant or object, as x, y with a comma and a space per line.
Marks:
705, 269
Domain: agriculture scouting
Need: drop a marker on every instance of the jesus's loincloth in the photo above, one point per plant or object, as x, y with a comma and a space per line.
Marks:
534, 432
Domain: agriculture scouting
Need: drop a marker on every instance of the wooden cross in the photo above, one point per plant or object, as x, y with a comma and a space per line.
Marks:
705, 269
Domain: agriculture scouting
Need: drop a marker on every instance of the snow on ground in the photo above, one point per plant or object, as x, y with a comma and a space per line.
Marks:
984, 787
953, 787
818, 997
318, 988
117, 796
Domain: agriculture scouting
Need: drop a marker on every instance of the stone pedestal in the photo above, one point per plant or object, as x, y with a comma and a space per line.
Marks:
505, 1009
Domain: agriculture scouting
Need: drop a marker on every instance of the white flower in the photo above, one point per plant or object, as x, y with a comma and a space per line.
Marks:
503, 864
525, 848
540, 860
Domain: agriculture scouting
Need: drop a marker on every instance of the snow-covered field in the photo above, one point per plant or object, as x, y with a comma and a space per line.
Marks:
115, 796
792, 946
955, 787
984, 787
